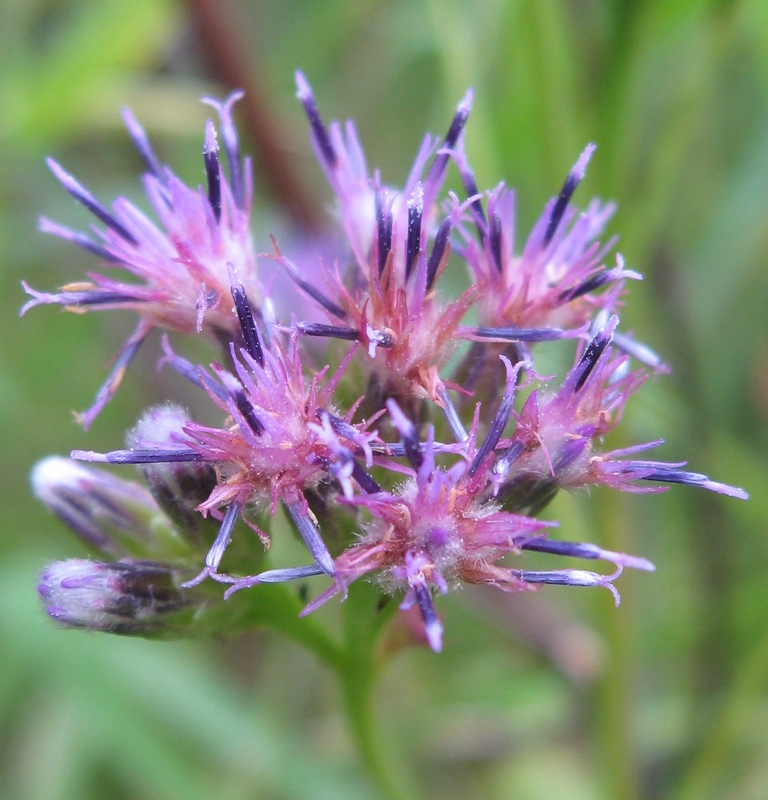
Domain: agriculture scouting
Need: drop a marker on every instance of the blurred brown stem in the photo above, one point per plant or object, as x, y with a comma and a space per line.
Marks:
221, 33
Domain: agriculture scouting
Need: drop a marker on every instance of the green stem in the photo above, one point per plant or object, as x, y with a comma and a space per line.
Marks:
363, 622
274, 606
613, 725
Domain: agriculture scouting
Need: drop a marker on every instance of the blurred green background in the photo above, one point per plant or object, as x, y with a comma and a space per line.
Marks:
558, 695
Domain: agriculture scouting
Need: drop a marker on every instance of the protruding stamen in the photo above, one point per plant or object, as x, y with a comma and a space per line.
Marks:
602, 278
638, 350
192, 373
500, 419
669, 473
408, 434
141, 142
83, 196
311, 536
231, 144
589, 360
139, 456
415, 213
332, 308
84, 297
384, 226
575, 176
364, 480
570, 577
457, 126
517, 334
470, 186
329, 331
242, 403
494, 236
274, 576
112, 382
245, 315
451, 415
212, 169
319, 131
588, 551
218, 548
438, 250
76, 237
432, 625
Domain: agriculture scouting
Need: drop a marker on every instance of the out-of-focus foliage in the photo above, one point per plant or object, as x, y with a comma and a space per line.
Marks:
665, 697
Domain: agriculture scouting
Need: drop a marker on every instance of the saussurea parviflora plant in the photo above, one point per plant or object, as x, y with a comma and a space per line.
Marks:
410, 448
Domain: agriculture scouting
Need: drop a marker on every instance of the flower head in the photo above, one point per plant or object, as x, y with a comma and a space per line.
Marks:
180, 268
441, 528
416, 516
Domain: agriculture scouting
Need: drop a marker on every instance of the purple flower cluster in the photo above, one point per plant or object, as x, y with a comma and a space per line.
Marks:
430, 442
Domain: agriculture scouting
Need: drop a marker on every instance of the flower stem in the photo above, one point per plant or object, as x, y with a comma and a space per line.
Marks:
613, 725
363, 621
274, 606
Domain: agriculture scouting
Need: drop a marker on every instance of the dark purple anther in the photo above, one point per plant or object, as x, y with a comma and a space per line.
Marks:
191, 372
319, 131
574, 178
124, 358
569, 577
408, 434
415, 213
457, 126
97, 297
499, 422
589, 285
83, 196
591, 355
245, 407
311, 536
494, 232
76, 237
438, 250
518, 334
139, 456
288, 574
587, 551
364, 480
311, 290
251, 336
216, 553
212, 169
670, 473
329, 331
470, 186
231, 144
384, 225
432, 625
452, 415
141, 142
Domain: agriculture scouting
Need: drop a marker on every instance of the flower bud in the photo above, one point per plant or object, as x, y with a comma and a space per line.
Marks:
134, 598
114, 516
178, 487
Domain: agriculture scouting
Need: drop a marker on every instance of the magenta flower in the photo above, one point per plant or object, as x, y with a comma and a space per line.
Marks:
389, 302
554, 281
282, 437
416, 516
181, 266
